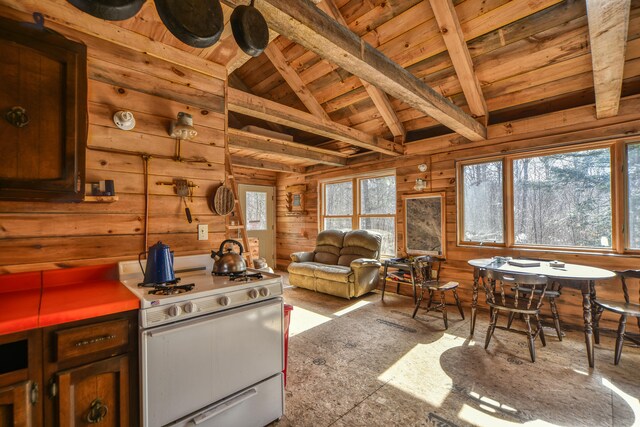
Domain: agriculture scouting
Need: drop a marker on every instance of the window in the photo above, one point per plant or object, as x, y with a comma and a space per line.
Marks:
256, 202
557, 199
482, 193
633, 195
367, 203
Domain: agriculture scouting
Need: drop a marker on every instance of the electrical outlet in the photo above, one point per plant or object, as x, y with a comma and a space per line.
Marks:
203, 232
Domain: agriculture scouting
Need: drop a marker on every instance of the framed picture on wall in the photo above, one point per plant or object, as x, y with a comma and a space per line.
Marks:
424, 224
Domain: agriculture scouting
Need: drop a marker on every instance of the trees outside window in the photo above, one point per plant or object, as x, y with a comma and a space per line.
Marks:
633, 195
367, 203
483, 202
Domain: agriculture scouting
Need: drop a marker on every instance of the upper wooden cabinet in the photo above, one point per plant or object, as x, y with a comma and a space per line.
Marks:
43, 114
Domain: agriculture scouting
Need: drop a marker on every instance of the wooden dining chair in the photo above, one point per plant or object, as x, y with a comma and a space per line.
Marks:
624, 309
427, 271
504, 292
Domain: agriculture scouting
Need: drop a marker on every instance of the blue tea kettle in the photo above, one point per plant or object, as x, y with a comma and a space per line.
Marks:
159, 265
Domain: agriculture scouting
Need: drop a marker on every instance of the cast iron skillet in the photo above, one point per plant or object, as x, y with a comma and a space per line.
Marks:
111, 10
197, 23
250, 29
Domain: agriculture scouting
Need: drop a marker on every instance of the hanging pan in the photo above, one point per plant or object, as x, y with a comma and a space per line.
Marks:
250, 29
111, 10
197, 23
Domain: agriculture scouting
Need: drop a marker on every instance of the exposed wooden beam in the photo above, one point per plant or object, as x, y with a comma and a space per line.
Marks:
264, 165
449, 25
254, 106
64, 14
240, 58
608, 27
294, 81
378, 97
308, 26
252, 141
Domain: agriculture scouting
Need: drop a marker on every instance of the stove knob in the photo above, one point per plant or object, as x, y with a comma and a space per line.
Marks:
190, 307
253, 294
264, 292
174, 310
224, 300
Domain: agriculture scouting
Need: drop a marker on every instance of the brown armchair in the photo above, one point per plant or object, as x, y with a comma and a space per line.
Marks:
344, 264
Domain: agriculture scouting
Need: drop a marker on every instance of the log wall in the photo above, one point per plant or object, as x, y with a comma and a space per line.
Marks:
565, 128
43, 235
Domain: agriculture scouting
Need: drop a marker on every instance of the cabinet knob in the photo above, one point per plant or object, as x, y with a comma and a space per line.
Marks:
97, 412
18, 117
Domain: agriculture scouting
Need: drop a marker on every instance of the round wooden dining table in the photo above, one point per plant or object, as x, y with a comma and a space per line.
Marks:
569, 275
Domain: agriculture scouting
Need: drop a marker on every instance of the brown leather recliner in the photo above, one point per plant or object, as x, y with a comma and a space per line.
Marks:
344, 264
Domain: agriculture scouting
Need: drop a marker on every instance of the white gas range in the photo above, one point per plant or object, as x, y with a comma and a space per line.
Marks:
211, 347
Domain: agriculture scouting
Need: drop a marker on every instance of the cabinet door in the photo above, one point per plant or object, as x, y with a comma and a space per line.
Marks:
15, 405
97, 393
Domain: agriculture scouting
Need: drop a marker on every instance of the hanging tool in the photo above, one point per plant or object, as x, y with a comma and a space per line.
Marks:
183, 190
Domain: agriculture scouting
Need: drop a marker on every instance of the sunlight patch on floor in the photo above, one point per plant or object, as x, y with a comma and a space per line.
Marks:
419, 374
632, 401
303, 320
480, 418
352, 307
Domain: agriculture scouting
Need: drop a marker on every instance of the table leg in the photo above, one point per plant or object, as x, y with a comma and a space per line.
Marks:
413, 283
588, 319
474, 299
384, 279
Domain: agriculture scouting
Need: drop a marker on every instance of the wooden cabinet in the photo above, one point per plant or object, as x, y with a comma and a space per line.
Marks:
73, 374
20, 379
43, 114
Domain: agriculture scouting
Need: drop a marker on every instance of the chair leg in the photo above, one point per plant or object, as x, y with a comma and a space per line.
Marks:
556, 317
596, 324
541, 331
430, 299
492, 327
455, 295
532, 344
512, 314
444, 309
620, 339
415, 310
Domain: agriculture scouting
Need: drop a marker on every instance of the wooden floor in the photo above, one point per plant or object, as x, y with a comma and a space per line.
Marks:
363, 362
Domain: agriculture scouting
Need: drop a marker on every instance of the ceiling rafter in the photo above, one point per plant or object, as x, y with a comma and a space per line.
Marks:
302, 22
251, 163
449, 26
608, 28
378, 97
255, 106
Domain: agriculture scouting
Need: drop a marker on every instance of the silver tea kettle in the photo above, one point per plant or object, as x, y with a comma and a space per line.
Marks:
228, 262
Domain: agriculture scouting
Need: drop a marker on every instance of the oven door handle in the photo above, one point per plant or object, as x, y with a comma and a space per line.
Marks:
224, 406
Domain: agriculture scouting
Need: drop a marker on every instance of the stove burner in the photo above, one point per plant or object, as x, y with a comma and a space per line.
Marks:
171, 289
159, 285
240, 277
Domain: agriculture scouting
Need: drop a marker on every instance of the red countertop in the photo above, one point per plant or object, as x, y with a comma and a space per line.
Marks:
39, 299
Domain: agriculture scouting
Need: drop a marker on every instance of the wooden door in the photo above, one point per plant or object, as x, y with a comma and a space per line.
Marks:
258, 207
15, 405
96, 393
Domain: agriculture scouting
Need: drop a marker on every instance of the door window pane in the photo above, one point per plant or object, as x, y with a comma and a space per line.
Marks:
386, 227
339, 198
378, 195
563, 199
256, 214
343, 224
633, 194
482, 203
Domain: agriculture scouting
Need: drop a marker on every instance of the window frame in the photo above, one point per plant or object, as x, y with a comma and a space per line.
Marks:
357, 208
619, 193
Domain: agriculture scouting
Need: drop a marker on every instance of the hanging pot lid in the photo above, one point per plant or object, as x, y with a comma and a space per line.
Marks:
111, 10
197, 23
250, 29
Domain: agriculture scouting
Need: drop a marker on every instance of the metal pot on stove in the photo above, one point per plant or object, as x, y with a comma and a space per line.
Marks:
230, 261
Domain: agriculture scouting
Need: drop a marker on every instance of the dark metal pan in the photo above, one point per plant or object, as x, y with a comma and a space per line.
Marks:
250, 29
197, 23
111, 10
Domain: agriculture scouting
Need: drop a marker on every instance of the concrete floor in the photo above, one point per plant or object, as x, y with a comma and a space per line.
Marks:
364, 362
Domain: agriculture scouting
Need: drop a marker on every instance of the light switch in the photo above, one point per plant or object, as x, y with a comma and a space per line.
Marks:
203, 232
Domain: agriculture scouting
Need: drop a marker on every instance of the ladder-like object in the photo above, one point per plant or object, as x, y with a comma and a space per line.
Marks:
237, 209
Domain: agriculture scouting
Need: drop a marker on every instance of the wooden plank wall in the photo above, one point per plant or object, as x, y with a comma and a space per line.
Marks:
51, 235
299, 233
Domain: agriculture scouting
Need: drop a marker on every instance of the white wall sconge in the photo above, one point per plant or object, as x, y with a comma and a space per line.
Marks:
183, 127
421, 183
124, 120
